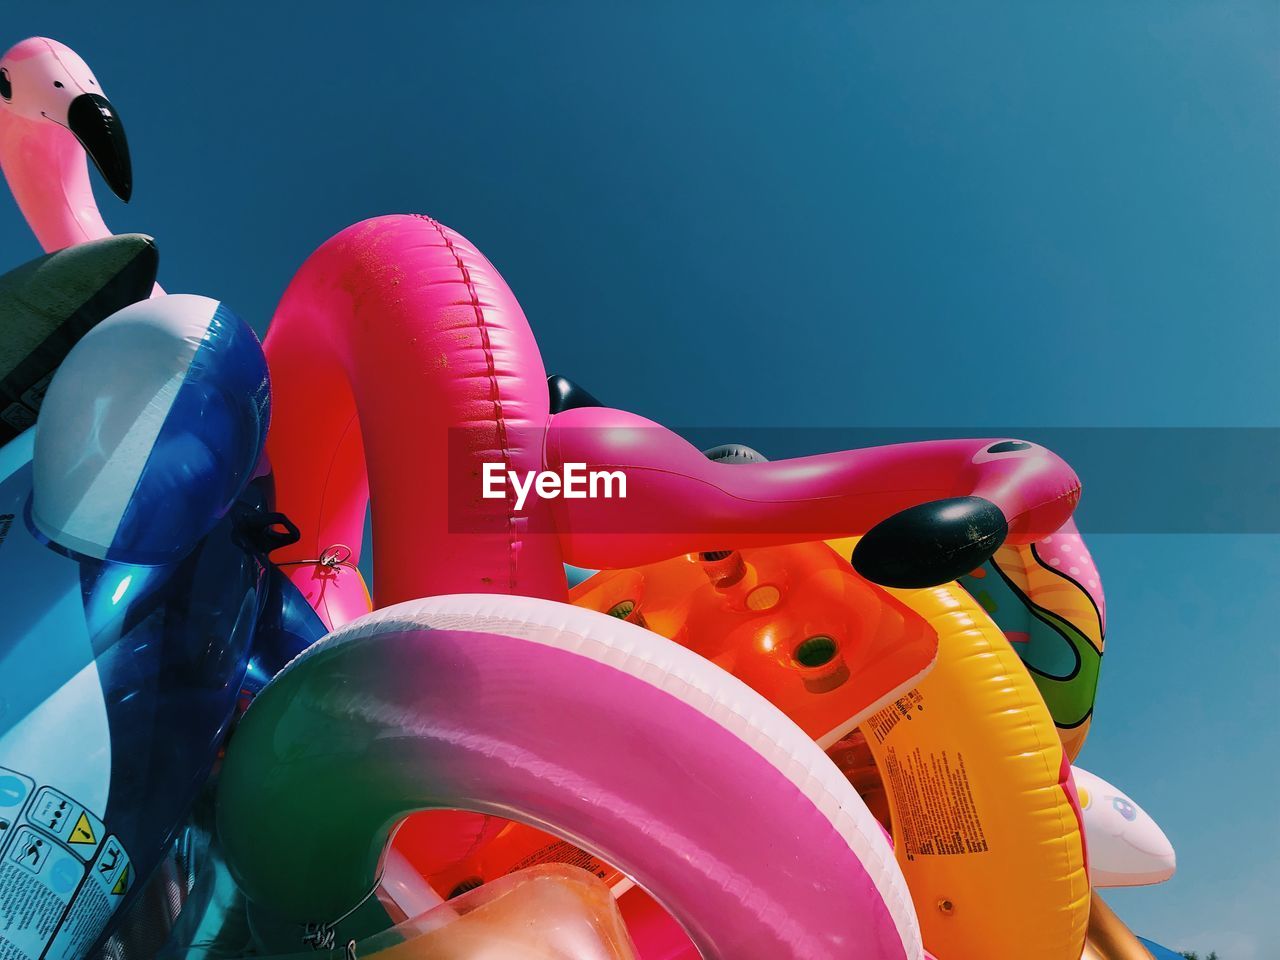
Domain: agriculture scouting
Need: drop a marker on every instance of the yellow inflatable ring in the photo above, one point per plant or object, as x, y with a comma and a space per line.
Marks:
985, 822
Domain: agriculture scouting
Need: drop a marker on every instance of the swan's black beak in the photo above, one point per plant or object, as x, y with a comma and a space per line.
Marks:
98, 128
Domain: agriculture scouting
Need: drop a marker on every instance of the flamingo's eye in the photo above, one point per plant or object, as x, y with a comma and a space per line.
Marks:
1008, 446
58, 84
6, 87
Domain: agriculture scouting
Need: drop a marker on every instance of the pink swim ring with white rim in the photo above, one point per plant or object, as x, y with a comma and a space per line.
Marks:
574, 721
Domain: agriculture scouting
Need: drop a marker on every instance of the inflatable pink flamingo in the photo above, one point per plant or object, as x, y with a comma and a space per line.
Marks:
397, 345
53, 114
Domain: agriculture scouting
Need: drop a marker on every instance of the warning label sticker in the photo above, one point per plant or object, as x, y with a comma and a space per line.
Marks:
94, 904
61, 877
68, 821
934, 801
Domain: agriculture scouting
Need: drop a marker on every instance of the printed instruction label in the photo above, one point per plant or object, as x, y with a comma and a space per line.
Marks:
934, 803
61, 876
884, 720
563, 852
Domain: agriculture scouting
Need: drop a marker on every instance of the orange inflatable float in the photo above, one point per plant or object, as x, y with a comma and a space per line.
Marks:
794, 623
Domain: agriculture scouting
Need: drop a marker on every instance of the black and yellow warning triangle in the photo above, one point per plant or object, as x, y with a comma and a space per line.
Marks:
83, 832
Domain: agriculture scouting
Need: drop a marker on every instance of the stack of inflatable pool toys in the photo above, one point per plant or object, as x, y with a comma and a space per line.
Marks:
749, 733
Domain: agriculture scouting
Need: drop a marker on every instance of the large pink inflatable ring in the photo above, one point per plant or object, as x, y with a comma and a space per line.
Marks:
612, 737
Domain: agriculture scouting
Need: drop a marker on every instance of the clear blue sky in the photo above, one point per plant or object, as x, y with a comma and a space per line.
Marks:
907, 214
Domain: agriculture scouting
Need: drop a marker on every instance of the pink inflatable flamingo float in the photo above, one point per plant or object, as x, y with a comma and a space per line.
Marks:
53, 114
397, 345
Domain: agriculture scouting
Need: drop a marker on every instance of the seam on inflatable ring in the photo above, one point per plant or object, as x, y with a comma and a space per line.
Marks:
495, 391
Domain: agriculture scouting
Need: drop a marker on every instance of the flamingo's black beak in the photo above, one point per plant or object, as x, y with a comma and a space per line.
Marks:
931, 543
98, 128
